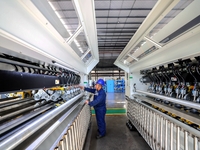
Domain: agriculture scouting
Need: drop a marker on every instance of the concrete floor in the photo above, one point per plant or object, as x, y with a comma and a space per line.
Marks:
115, 100
118, 136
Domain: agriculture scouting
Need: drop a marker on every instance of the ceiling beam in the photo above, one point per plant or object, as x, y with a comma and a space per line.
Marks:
127, 32
119, 23
74, 17
120, 17
115, 40
114, 68
114, 36
111, 72
109, 9
139, 9
108, 50
113, 47
104, 9
132, 23
110, 17
118, 9
108, 28
110, 75
109, 45
126, 17
112, 41
106, 58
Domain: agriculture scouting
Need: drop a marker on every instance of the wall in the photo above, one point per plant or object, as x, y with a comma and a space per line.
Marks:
131, 79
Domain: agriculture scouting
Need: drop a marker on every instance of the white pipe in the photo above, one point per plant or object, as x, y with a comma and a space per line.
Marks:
171, 99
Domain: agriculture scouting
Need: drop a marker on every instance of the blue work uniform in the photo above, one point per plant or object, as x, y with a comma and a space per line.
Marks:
99, 104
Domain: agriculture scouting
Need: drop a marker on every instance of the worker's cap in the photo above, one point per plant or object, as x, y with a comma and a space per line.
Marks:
101, 82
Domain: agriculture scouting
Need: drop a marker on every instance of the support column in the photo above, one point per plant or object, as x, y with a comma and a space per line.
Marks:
127, 84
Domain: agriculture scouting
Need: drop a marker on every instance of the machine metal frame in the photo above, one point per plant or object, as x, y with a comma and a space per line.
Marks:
159, 130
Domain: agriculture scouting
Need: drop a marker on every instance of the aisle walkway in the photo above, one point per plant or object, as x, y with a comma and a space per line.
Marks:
115, 100
118, 136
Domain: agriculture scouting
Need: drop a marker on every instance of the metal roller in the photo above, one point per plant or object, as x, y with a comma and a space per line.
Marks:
9, 99
19, 112
17, 105
6, 127
7, 67
13, 102
11, 142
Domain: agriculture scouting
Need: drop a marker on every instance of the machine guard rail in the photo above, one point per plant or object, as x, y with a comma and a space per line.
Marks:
161, 131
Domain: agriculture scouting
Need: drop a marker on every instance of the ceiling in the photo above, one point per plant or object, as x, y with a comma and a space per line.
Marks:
92, 34
117, 21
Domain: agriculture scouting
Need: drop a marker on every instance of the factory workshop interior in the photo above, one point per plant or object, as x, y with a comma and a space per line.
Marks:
143, 54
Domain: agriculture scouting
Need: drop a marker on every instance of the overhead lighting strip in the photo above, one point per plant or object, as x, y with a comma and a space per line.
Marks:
72, 36
77, 32
150, 40
133, 57
85, 54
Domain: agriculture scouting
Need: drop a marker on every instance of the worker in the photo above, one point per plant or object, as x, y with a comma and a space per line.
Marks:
99, 104
93, 84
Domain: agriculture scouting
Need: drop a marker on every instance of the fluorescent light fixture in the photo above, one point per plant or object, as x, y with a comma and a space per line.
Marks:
81, 50
150, 40
80, 28
62, 66
63, 22
137, 49
153, 35
120, 102
58, 15
52, 6
133, 57
126, 62
85, 54
143, 43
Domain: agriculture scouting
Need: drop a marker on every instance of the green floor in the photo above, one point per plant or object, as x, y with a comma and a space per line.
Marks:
113, 111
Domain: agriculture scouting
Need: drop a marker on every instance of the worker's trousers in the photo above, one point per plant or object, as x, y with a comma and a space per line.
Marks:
100, 117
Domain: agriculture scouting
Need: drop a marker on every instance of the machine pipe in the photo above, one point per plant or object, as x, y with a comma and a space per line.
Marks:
173, 100
17, 105
4, 128
186, 140
19, 137
177, 138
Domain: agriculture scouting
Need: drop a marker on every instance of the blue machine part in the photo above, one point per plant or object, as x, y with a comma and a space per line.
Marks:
110, 86
119, 86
